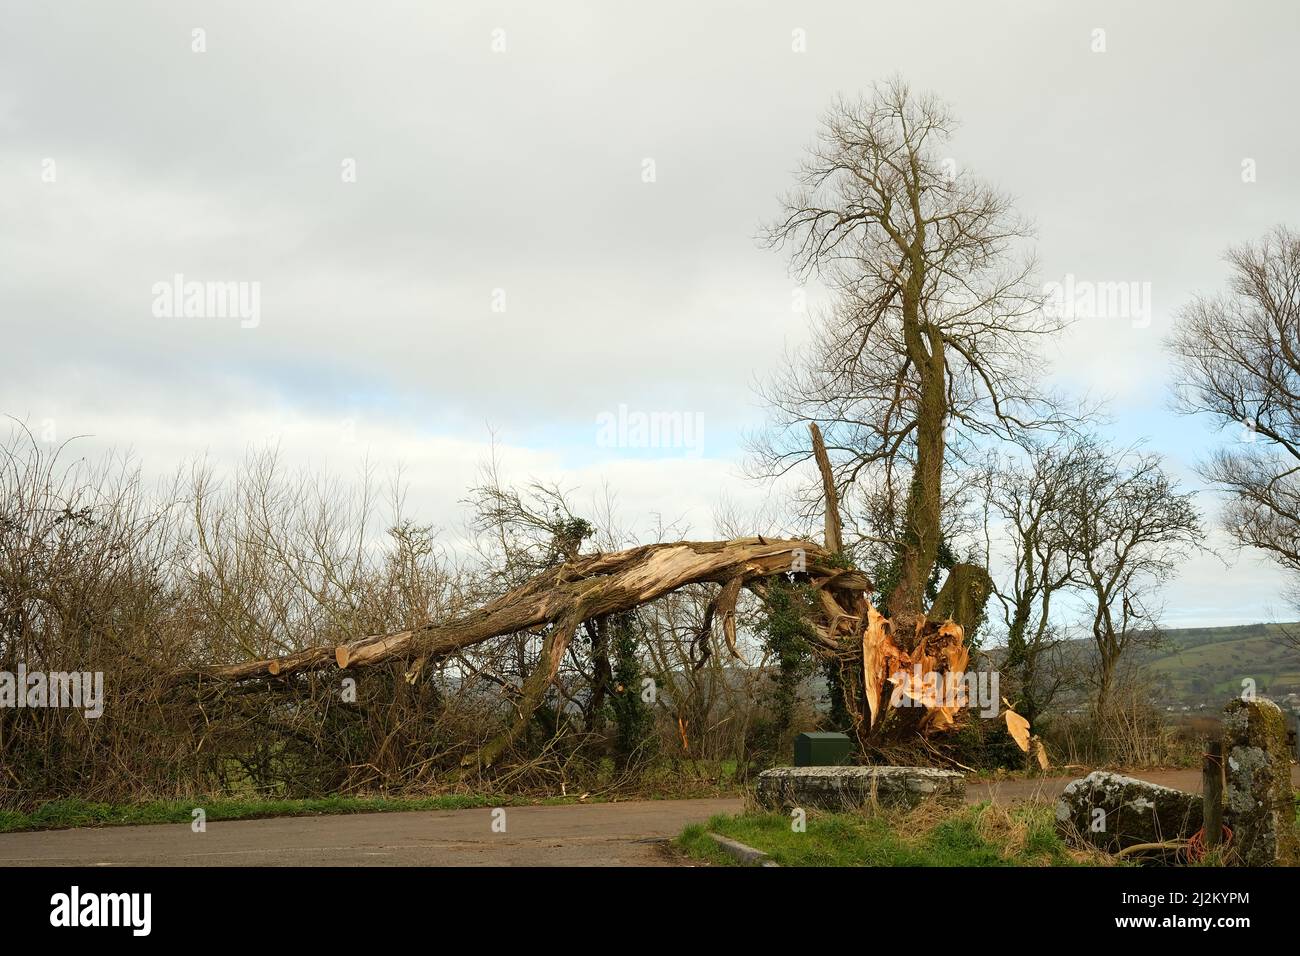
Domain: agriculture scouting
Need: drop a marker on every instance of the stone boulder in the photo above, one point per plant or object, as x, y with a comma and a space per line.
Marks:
846, 788
1111, 811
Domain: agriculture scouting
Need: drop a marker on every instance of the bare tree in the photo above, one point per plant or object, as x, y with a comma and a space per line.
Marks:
1029, 497
933, 326
528, 530
1237, 356
1128, 527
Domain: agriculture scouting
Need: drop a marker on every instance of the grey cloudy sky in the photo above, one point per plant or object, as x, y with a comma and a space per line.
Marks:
521, 170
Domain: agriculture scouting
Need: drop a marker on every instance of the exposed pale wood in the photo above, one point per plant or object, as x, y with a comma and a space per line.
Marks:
726, 605
834, 534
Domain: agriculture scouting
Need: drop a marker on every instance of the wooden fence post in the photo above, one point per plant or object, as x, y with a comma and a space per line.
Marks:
1212, 793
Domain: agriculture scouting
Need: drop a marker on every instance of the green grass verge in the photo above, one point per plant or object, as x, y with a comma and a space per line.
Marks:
62, 814
981, 835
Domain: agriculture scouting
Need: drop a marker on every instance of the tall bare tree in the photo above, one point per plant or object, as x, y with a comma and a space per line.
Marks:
934, 324
1128, 527
1237, 356
1029, 497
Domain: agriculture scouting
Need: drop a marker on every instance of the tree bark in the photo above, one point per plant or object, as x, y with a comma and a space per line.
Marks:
962, 597
921, 517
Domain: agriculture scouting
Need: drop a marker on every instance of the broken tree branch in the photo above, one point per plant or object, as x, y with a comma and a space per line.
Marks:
589, 587
834, 533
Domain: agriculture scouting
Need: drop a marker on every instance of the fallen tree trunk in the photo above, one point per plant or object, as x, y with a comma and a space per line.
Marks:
586, 588
842, 624
590, 588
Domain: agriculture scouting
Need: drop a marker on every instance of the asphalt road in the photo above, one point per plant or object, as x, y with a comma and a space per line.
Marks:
632, 833
598, 834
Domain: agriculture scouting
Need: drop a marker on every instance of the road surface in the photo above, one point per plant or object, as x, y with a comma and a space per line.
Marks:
631, 833
599, 834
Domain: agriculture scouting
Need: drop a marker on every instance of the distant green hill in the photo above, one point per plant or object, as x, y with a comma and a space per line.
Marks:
1194, 666
1197, 665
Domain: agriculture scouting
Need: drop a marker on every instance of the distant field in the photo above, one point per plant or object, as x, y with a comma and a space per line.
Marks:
1209, 664
1206, 665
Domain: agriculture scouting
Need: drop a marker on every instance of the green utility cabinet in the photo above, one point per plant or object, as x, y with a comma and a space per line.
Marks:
820, 749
